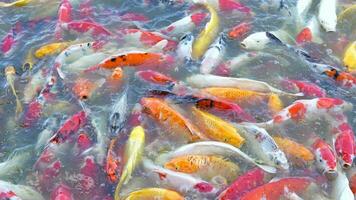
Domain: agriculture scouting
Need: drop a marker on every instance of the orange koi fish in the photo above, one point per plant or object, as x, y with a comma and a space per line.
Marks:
136, 59
205, 166
162, 112
294, 149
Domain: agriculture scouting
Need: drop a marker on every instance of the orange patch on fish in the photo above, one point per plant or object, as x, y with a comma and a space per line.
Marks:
294, 149
297, 111
83, 88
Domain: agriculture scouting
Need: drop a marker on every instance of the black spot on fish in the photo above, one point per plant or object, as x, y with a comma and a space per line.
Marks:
274, 38
113, 59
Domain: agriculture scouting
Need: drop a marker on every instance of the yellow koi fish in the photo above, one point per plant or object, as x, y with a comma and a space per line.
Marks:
51, 49
154, 193
294, 149
10, 73
275, 104
234, 94
18, 3
205, 166
28, 63
208, 35
218, 129
133, 153
350, 57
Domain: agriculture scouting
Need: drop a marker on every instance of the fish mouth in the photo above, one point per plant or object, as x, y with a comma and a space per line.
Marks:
346, 165
331, 174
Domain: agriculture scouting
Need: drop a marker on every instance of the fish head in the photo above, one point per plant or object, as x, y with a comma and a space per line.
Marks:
329, 22
305, 35
181, 164
325, 159
279, 159
186, 40
344, 146
255, 41
62, 192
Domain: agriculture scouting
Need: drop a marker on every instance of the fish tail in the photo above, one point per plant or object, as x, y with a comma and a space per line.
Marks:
19, 108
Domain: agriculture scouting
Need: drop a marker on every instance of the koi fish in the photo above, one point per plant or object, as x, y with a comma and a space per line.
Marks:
310, 109
93, 28
8, 41
239, 31
69, 127
27, 67
307, 88
207, 36
18, 3
184, 25
235, 94
218, 129
84, 88
136, 59
112, 163
151, 193
146, 39
275, 104
294, 149
33, 112
352, 180
119, 113
10, 195
10, 74
350, 57
156, 77
244, 183
276, 189
343, 79
260, 40
213, 56
260, 143
163, 113
22, 191
310, 33
327, 15
207, 80
179, 181
133, 153
51, 49
64, 16
62, 192
212, 148
203, 166
34, 86
325, 157
184, 48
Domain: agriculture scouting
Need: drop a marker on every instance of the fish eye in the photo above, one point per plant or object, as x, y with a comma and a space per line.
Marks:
184, 37
257, 41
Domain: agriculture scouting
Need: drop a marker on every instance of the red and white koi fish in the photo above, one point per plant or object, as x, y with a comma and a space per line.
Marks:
69, 127
146, 39
310, 33
64, 16
325, 158
187, 24
307, 88
244, 183
179, 181
310, 110
92, 28
239, 31
34, 86
213, 56
344, 139
62, 192
276, 189
33, 112
22, 192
